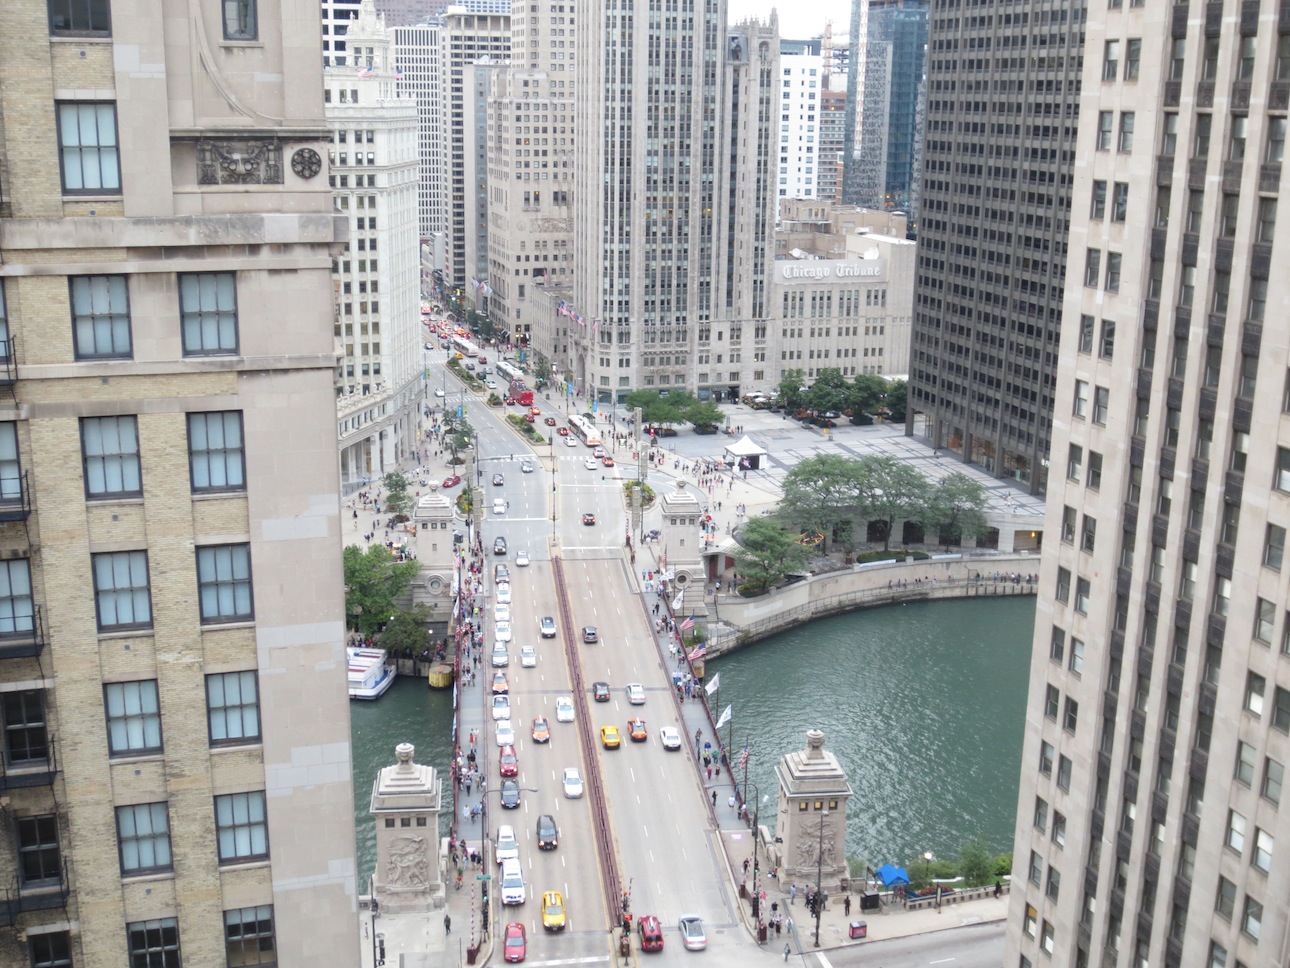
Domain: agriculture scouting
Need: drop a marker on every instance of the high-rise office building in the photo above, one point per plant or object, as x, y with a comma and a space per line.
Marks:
998, 153
802, 78
530, 170
175, 773
832, 154
421, 78
1153, 793
675, 190
373, 168
889, 153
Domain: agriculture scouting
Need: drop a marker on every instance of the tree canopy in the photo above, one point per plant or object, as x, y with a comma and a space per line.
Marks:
819, 493
888, 491
791, 389
373, 583
397, 499
768, 552
956, 508
679, 406
829, 391
407, 630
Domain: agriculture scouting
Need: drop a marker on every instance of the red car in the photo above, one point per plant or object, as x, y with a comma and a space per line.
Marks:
511, 401
564, 431
550, 421
451, 481
515, 944
530, 418
607, 461
508, 763
483, 359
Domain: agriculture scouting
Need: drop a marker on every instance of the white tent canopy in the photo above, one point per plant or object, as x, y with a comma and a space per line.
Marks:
744, 447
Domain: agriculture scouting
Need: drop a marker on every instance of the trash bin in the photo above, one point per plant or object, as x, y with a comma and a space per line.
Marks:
870, 901
859, 929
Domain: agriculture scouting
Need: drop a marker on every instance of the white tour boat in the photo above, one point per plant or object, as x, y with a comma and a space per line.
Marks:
371, 672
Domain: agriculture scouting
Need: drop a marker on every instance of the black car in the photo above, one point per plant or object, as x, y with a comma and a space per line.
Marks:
498, 480
600, 691
499, 546
548, 835
510, 794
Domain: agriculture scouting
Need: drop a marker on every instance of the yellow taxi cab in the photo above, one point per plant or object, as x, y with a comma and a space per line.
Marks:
553, 911
609, 737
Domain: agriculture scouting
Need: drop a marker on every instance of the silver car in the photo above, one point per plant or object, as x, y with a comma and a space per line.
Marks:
572, 782
501, 707
501, 658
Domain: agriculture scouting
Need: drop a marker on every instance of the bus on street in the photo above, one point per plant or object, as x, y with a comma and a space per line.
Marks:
583, 428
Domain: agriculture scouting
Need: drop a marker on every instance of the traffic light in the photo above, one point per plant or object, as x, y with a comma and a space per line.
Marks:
627, 924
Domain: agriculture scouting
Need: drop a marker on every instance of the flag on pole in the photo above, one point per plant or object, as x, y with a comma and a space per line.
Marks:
743, 759
364, 72
688, 623
680, 597
714, 685
698, 653
724, 717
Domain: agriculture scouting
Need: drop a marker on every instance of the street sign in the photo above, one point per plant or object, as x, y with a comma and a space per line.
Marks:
483, 877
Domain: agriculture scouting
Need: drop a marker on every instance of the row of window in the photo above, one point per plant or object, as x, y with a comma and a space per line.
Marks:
101, 328
248, 940
93, 18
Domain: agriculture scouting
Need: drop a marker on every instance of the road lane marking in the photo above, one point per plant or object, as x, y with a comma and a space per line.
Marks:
942, 961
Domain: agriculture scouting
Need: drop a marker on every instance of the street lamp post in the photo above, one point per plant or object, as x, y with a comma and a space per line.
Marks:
756, 898
819, 875
928, 857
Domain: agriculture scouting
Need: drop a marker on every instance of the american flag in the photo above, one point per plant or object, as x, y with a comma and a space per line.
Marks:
398, 73
743, 758
364, 72
688, 623
697, 654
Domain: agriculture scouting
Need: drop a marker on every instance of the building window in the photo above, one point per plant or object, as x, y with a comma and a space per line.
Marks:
1077, 656
1236, 146
233, 708
1120, 202
1132, 59
1225, 899
1063, 773
1282, 478
101, 317
17, 610
154, 944
1036, 867
39, 860
1274, 546
1092, 267
1083, 589
224, 583
215, 451
1080, 405
1070, 718
1106, 346
1200, 139
88, 149
1063, 585
133, 717
80, 17
1052, 702
51, 949
26, 738
1114, 261
248, 936
1101, 405
1264, 619
1252, 919
1276, 147
1126, 131
1105, 128
208, 313
1046, 753
1262, 855
110, 452
1059, 829
121, 592
1273, 778
1111, 61
1217, 955
241, 825
1235, 831
1281, 709
1097, 209
239, 20
143, 835
1245, 763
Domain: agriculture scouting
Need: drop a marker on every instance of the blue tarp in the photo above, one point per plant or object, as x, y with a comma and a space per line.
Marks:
891, 875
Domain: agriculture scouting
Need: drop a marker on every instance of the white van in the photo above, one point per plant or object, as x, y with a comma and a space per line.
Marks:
508, 847
513, 891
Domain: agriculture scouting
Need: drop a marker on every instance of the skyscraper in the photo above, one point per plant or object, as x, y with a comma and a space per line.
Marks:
175, 776
893, 94
373, 169
1153, 791
675, 190
801, 117
998, 153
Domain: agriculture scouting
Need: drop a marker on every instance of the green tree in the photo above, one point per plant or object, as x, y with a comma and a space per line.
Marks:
866, 394
704, 413
397, 499
791, 389
459, 437
542, 369
897, 393
818, 491
829, 391
956, 509
976, 862
657, 409
887, 491
407, 630
768, 552
373, 582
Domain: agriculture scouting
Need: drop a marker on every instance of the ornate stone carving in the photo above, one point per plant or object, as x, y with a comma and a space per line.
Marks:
306, 163
407, 866
242, 161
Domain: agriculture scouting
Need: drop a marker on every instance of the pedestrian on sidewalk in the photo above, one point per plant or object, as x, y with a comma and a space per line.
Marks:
846, 906
447, 924
714, 798
731, 801
792, 893
787, 951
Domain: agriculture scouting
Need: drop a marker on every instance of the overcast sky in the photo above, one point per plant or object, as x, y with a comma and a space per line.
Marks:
798, 19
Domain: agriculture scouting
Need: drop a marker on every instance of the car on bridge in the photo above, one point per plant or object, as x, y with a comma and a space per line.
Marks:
636, 730
502, 632
589, 634
504, 593
553, 918
572, 782
501, 707
498, 480
515, 944
510, 794
501, 572
499, 545
635, 694
508, 848
501, 658
547, 626
670, 737
526, 466
500, 685
541, 730
692, 934
600, 691
548, 834
609, 737
521, 559
651, 933
505, 732
528, 657
563, 709
588, 518
508, 764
